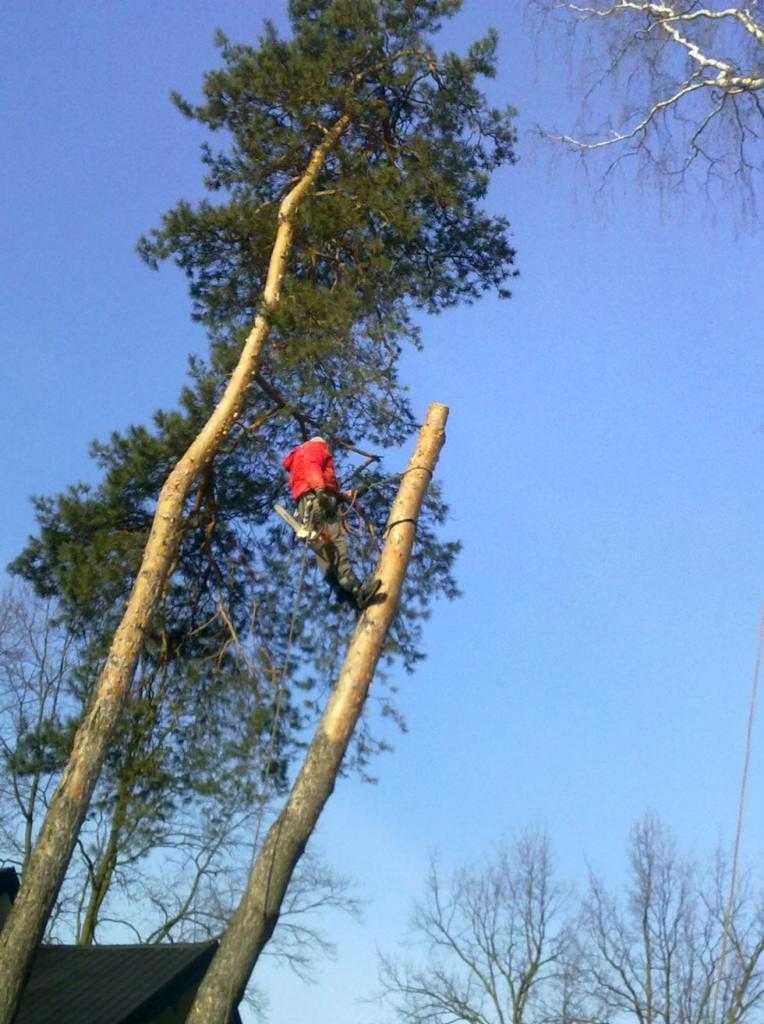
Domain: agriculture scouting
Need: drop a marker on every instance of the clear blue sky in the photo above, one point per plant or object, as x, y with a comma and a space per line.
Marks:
603, 461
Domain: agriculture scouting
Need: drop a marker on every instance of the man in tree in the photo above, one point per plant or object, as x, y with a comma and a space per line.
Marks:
314, 486
349, 196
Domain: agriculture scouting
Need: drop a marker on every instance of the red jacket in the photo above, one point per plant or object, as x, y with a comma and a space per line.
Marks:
310, 468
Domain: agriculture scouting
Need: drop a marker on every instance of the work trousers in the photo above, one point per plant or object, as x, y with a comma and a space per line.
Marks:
319, 511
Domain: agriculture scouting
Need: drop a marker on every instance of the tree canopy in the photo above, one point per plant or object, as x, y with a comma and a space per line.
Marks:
240, 649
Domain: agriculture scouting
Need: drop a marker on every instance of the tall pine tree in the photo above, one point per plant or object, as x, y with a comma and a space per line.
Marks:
347, 195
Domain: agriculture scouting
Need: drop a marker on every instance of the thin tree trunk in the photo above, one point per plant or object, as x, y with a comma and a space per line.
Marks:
255, 918
50, 857
99, 888
104, 869
102, 873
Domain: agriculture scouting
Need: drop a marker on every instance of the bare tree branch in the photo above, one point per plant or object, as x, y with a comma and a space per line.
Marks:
497, 945
652, 956
673, 83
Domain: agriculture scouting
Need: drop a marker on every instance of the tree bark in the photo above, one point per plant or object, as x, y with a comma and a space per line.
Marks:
53, 849
103, 872
255, 918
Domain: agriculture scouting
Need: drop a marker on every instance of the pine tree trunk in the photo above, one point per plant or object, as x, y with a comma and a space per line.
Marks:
255, 918
50, 858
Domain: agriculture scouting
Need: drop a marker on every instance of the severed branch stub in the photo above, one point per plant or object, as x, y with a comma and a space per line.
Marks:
255, 918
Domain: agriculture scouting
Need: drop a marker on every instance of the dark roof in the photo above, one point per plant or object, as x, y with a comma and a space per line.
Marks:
9, 882
109, 984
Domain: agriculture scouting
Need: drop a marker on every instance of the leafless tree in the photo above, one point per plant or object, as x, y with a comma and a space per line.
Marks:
299, 939
498, 946
35, 660
654, 954
677, 86
173, 881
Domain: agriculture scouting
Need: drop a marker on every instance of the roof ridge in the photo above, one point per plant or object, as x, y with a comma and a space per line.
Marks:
129, 945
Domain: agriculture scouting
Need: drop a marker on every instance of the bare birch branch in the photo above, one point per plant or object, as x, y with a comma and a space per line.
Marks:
674, 84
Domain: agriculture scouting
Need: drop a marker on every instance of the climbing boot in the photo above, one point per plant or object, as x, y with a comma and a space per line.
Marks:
368, 592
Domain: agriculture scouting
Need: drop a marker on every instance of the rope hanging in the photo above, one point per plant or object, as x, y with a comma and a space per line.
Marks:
280, 691
287, 652
729, 910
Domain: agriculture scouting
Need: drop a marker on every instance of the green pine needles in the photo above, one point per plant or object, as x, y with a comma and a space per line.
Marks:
394, 227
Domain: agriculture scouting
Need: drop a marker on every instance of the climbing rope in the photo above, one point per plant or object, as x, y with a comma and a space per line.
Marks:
287, 652
730, 907
280, 687
361, 525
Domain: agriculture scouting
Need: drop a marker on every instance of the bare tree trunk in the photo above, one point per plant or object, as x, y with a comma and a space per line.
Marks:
255, 918
50, 857
103, 872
